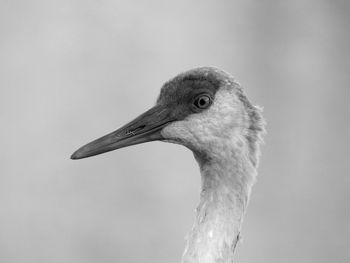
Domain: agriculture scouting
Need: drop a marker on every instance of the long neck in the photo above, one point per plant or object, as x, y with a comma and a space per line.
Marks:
226, 186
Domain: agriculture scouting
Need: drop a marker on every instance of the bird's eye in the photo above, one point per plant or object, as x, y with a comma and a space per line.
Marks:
202, 101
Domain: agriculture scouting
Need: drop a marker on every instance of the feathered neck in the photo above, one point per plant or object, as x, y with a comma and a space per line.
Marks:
227, 180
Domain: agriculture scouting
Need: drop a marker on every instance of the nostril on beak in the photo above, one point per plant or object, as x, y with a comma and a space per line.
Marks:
133, 131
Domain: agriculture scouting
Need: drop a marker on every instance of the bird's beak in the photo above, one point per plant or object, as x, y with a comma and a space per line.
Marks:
145, 128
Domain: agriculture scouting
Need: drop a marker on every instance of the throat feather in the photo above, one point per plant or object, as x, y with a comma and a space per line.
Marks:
226, 186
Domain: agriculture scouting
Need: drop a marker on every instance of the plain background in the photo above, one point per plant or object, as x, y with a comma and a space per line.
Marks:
71, 71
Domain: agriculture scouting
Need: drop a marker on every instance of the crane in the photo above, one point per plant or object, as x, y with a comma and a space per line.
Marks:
207, 111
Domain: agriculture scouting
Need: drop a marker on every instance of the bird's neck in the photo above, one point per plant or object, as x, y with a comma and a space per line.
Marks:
226, 186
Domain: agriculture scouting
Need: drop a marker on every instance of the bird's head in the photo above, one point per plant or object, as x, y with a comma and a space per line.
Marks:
203, 109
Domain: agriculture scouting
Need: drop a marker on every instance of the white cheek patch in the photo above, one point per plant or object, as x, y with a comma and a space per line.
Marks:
217, 124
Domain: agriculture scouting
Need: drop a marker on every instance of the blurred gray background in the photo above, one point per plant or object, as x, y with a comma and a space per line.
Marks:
71, 71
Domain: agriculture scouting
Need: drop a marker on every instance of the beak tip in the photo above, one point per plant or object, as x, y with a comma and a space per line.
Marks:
76, 156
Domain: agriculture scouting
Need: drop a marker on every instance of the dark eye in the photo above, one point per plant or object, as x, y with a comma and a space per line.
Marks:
202, 101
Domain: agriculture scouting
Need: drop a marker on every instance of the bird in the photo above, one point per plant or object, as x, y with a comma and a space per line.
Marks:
206, 110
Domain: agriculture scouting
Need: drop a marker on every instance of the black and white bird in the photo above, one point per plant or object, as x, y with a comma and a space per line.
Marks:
207, 111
